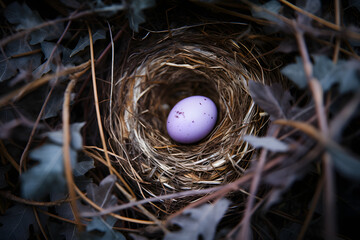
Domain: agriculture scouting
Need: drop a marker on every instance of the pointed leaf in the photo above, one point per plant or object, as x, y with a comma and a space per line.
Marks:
76, 138
48, 174
269, 143
199, 223
83, 167
272, 99
272, 6
101, 194
344, 162
85, 41
24, 18
10, 66
135, 12
16, 222
39, 181
295, 72
344, 73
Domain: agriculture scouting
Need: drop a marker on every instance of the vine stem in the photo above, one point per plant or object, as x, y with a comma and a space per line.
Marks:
317, 94
96, 99
66, 152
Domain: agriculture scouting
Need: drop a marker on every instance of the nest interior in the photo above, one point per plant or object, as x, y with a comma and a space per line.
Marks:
160, 71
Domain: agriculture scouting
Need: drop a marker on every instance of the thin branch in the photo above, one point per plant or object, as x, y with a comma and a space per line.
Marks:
317, 94
246, 221
98, 208
72, 16
20, 92
66, 152
96, 99
39, 223
14, 198
312, 16
8, 157
312, 208
112, 74
338, 39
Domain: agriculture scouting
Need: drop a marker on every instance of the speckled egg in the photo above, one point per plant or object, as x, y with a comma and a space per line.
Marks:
191, 119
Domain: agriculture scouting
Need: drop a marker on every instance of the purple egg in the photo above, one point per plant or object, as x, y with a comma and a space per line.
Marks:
191, 119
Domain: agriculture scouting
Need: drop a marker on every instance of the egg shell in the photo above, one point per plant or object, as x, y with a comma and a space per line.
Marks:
191, 119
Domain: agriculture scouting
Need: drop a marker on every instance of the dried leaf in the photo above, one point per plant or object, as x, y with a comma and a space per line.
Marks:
272, 99
97, 225
9, 66
3, 170
344, 73
272, 6
71, 3
83, 167
16, 222
49, 174
345, 163
55, 103
295, 72
135, 12
38, 181
24, 17
76, 138
85, 41
101, 194
198, 223
311, 6
7, 70
269, 143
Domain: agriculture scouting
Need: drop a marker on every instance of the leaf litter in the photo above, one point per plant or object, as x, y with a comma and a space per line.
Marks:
45, 174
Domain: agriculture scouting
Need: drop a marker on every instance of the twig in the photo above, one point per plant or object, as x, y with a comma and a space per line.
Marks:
117, 174
213, 193
317, 94
312, 208
7, 156
97, 207
66, 152
39, 223
73, 16
14, 198
58, 217
96, 99
312, 16
20, 92
112, 73
246, 220
33, 130
338, 39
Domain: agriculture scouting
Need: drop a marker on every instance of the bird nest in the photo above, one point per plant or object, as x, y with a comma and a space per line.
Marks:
160, 71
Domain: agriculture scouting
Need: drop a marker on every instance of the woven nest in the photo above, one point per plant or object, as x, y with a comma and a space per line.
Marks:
159, 72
